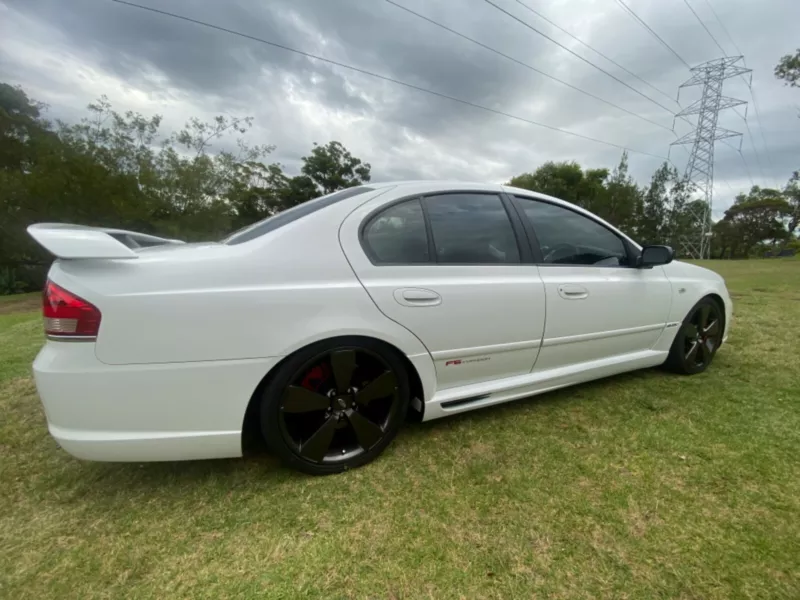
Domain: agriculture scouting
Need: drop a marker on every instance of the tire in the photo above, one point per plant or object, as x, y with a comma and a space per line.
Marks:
698, 339
314, 426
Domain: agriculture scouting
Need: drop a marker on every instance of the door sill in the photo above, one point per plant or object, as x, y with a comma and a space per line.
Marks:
487, 393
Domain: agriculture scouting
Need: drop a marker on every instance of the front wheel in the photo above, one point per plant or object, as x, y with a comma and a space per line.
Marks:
335, 405
698, 339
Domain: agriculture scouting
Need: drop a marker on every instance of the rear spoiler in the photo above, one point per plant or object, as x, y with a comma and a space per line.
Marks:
80, 241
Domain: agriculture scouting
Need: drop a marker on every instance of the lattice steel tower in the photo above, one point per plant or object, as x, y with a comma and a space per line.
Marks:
695, 239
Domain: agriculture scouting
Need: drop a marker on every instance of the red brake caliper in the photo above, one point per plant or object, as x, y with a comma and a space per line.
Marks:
315, 377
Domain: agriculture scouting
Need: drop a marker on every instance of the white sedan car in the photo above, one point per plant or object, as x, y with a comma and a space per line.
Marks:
320, 327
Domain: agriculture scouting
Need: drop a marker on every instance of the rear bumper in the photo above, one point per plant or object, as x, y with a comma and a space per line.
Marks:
157, 412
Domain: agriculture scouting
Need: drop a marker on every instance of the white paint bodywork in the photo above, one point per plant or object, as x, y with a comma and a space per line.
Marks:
189, 331
78, 241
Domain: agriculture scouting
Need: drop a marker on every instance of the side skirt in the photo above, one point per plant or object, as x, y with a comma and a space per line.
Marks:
487, 393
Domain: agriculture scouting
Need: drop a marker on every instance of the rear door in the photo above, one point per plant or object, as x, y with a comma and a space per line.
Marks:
449, 266
598, 304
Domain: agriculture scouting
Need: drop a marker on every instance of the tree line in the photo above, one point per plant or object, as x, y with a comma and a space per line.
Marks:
200, 183
119, 170
761, 222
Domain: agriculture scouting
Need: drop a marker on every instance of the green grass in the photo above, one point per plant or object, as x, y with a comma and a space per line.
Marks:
646, 485
19, 297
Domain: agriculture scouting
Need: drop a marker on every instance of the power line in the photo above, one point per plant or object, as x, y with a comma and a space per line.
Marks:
744, 161
761, 132
750, 88
524, 64
575, 54
755, 150
724, 29
688, 154
580, 41
711, 76
629, 10
708, 31
378, 76
730, 187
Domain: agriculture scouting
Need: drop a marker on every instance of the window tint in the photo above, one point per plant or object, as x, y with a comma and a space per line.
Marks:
296, 212
566, 237
397, 235
471, 229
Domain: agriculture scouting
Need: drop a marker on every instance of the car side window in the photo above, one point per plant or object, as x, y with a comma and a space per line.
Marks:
471, 229
398, 235
568, 238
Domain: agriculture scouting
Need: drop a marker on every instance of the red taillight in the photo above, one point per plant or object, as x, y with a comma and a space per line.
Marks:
67, 315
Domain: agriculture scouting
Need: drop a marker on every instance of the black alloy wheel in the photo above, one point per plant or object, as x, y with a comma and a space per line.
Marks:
698, 339
334, 408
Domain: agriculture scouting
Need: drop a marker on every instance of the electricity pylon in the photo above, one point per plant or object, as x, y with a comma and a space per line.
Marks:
695, 240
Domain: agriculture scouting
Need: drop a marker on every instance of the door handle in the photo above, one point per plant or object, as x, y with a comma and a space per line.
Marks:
417, 297
572, 292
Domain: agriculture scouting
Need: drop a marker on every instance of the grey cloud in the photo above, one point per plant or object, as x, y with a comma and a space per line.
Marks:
405, 133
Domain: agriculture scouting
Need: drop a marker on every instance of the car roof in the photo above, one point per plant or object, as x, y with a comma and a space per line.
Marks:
435, 184
455, 184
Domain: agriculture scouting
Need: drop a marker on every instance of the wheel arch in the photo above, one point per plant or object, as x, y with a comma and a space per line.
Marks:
682, 306
720, 302
252, 438
675, 361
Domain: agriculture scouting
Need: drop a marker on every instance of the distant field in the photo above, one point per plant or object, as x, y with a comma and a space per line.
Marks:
647, 485
17, 303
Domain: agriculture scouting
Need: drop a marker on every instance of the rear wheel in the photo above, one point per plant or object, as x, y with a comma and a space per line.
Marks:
335, 405
698, 339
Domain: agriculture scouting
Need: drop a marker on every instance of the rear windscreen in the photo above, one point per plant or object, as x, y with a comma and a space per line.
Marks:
296, 212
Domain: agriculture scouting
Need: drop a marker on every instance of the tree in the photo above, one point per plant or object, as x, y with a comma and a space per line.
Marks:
300, 189
567, 181
32, 183
331, 167
755, 218
652, 226
19, 122
120, 170
117, 170
792, 194
615, 197
788, 69
726, 239
624, 202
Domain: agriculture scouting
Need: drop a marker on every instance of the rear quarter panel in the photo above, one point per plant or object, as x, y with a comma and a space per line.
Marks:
264, 298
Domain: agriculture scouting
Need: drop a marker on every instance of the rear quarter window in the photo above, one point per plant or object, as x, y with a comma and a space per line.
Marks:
397, 235
274, 222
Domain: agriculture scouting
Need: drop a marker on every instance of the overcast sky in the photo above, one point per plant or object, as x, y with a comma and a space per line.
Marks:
68, 52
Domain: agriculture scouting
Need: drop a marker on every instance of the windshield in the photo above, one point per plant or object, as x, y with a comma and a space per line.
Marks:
292, 214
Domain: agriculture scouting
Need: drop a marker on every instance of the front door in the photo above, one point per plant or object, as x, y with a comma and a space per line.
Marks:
598, 304
449, 268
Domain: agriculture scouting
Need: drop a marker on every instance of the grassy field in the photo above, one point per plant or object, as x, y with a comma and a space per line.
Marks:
647, 485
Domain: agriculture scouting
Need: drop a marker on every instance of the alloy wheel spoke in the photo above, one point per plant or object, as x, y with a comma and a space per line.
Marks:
691, 331
297, 399
343, 363
705, 312
380, 387
691, 355
318, 444
367, 432
706, 348
712, 329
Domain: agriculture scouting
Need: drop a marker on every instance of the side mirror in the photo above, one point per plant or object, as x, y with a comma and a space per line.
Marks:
652, 256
